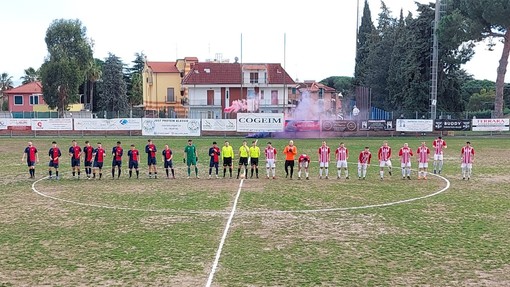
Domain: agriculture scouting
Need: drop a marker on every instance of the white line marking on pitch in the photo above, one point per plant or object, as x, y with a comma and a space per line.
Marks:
224, 237
354, 207
123, 208
244, 212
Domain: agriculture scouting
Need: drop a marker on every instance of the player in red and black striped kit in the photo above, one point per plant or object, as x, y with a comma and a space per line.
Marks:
88, 152
168, 161
99, 155
134, 159
75, 154
32, 158
54, 154
117, 153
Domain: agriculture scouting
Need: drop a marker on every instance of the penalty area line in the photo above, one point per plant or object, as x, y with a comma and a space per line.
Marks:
224, 236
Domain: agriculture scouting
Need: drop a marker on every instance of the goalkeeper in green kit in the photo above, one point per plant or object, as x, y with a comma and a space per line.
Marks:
191, 157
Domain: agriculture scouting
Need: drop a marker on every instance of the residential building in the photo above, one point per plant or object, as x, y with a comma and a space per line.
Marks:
215, 86
27, 101
25, 97
318, 100
162, 91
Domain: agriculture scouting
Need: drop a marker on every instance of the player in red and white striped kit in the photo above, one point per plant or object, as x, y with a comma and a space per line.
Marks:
324, 154
467, 155
303, 163
439, 144
363, 162
270, 153
384, 156
423, 153
342, 154
405, 154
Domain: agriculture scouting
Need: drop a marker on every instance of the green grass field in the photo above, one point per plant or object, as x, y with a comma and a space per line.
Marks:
160, 232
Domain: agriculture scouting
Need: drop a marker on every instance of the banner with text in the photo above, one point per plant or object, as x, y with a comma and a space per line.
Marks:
339, 126
411, 125
171, 127
302, 125
15, 124
127, 124
224, 125
260, 122
452, 125
65, 124
376, 125
493, 125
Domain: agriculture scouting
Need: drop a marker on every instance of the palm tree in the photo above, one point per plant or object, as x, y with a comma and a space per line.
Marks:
31, 75
5, 84
93, 75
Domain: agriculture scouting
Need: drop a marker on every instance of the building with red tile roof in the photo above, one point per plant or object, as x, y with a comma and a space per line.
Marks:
213, 86
25, 97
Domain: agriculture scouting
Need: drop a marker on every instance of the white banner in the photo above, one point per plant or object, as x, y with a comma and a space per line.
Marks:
122, 124
226, 125
171, 127
495, 125
52, 124
13, 122
260, 122
409, 125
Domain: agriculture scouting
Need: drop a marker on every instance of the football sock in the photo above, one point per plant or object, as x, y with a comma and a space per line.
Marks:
299, 173
49, 172
166, 170
381, 174
74, 173
189, 171
257, 172
210, 170
113, 172
100, 174
196, 171
327, 171
130, 173
137, 172
320, 172
119, 171
173, 172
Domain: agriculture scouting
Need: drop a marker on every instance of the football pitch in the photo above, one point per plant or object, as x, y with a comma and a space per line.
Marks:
443, 231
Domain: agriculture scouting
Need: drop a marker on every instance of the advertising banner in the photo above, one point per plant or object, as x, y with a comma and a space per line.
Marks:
339, 126
411, 125
224, 125
493, 125
302, 126
376, 125
15, 124
65, 124
170, 127
452, 125
260, 122
122, 124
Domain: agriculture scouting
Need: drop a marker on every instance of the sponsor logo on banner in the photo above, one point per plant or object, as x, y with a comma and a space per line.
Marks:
452, 125
414, 125
302, 126
128, 124
494, 125
260, 122
171, 127
376, 125
339, 126
15, 124
226, 125
65, 124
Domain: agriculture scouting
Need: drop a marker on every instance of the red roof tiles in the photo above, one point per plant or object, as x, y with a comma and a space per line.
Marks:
29, 88
163, 67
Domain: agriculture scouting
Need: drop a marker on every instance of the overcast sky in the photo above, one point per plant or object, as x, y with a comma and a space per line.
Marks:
319, 41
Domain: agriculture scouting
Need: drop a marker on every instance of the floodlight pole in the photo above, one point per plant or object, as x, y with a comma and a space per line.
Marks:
435, 62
